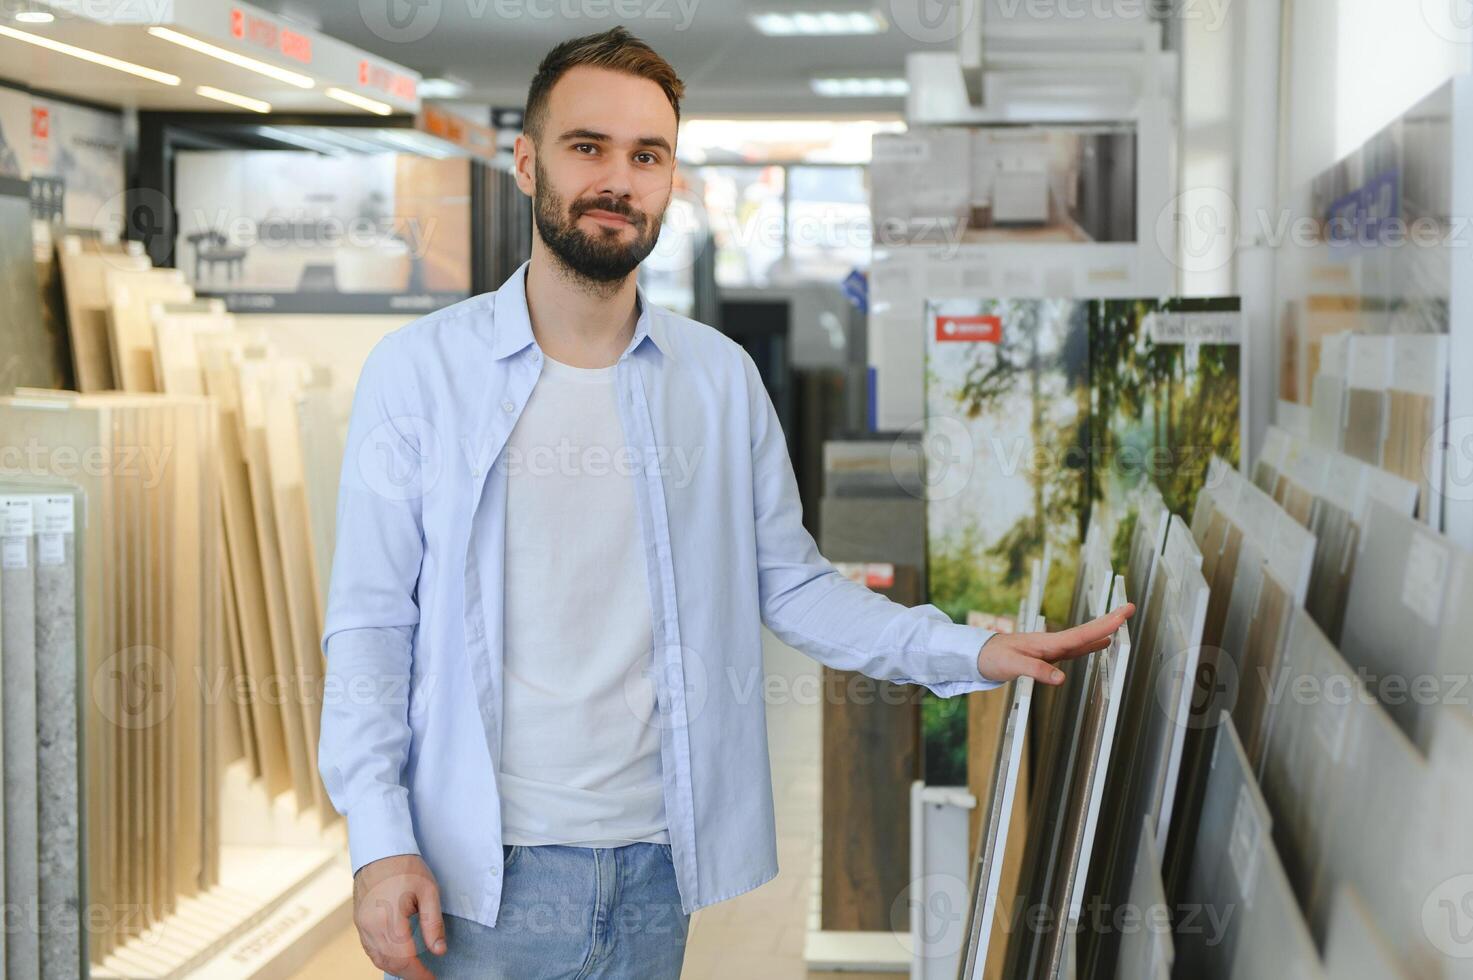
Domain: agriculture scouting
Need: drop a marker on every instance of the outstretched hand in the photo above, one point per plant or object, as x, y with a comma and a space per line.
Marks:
1006, 656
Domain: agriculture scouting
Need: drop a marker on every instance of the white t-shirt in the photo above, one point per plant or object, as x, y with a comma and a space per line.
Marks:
580, 745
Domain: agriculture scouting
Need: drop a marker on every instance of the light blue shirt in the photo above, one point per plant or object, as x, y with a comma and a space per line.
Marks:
411, 718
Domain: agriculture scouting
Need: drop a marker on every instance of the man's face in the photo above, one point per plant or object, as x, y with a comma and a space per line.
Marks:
601, 171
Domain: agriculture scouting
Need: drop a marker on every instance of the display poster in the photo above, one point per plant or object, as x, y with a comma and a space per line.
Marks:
992, 184
1041, 414
301, 232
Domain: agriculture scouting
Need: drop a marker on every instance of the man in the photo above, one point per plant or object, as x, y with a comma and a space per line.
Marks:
564, 515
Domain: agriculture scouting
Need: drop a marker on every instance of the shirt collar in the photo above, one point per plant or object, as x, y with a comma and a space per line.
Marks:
512, 323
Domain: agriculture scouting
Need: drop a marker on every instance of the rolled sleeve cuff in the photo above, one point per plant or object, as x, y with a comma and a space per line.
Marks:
952, 655
379, 829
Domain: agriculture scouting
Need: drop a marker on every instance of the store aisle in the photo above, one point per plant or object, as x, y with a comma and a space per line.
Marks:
761, 933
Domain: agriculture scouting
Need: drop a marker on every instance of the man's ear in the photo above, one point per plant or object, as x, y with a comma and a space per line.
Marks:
524, 163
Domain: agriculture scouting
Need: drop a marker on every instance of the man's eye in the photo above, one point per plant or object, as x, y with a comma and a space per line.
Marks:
645, 158
582, 147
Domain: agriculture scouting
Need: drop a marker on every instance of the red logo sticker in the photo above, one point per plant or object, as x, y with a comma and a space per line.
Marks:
40, 122
975, 329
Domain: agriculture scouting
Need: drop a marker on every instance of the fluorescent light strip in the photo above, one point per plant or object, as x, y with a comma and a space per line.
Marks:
239, 60
818, 23
34, 17
230, 98
860, 87
359, 101
106, 61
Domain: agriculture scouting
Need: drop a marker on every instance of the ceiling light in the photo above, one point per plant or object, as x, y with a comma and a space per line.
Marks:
107, 61
441, 88
848, 88
34, 17
242, 101
239, 60
818, 23
359, 101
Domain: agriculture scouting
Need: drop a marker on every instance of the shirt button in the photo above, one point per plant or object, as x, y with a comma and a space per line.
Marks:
495, 871
508, 406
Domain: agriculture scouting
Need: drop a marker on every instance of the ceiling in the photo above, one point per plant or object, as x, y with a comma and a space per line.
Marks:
728, 68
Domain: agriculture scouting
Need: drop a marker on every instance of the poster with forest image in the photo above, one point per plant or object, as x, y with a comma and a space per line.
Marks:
1043, 413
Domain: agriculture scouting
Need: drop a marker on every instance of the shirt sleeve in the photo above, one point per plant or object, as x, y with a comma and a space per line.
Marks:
372, 613
837, 621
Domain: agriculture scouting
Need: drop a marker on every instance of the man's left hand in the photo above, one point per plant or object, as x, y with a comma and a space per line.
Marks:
1010, 655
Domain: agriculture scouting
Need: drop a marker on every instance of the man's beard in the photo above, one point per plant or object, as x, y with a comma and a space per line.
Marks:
600, 257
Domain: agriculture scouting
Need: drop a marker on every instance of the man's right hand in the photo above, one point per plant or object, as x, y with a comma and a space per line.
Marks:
385, 893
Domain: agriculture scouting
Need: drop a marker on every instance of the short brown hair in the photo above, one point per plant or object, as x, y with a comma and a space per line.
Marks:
615, 49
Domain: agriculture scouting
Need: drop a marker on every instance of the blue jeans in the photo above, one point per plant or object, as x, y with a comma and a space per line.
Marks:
570, 913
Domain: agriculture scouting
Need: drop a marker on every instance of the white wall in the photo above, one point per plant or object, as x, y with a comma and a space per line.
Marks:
1354, 65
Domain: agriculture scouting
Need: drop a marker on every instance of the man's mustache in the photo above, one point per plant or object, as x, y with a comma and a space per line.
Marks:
612, 205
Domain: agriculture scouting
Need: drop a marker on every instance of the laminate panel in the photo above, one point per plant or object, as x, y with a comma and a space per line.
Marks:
83, 265
1226, 859
18, 715
1260, 663
1407, 620
1355, 949
247, 570
130, 297
1341, 779
32, 353
281, 388
1365, 421
177, 368
59, 719
1327, 411
1145, 768
1147, 950
993, 843
1146, 543
254, 381
1083, 816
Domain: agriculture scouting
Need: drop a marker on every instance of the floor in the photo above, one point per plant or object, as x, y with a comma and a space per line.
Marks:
759, 934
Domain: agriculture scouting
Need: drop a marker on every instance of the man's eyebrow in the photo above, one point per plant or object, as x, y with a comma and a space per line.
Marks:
595, 136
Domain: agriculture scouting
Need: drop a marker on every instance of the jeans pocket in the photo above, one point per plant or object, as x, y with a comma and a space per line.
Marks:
510, 853
669, 854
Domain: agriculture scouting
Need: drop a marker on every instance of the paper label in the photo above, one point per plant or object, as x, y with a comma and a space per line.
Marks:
976, 329
50, 548
1243, 844
53, 513
1194, 328
1426, 574
889, 148
17, 517
13, 553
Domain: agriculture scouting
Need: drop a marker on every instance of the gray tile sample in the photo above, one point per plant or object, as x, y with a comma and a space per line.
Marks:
60, 773
18, 663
